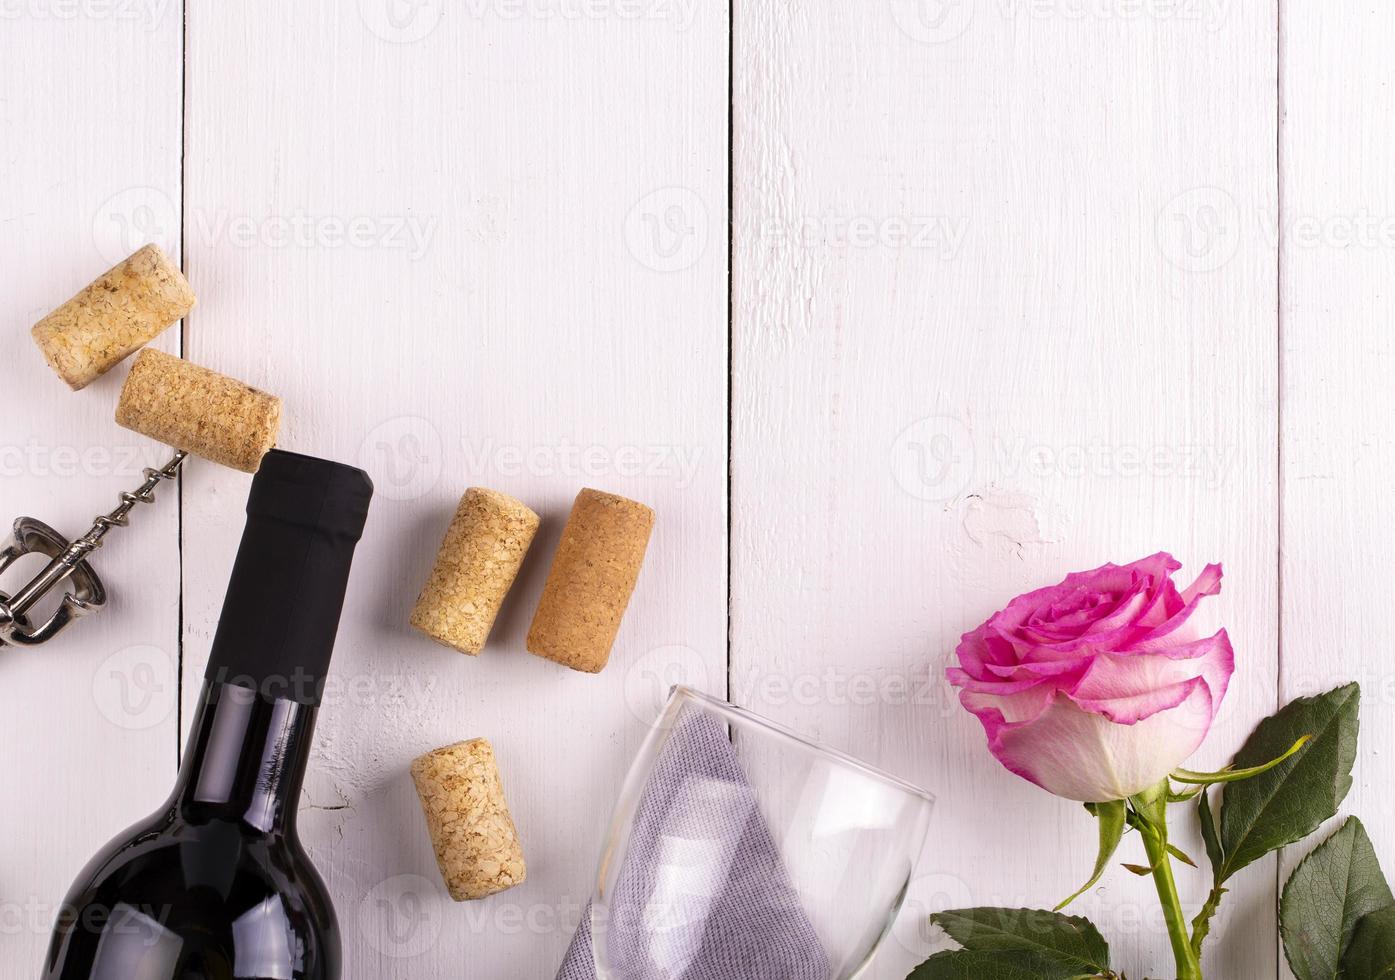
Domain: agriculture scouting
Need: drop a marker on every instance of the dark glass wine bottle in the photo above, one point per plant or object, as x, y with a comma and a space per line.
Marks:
216, 885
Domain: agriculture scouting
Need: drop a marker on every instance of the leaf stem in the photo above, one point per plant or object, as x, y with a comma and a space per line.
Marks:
1201, 925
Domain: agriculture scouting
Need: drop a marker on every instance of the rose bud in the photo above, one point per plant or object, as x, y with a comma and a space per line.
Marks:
1096, 689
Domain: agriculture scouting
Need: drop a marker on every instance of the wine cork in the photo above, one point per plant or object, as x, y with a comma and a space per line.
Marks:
476, 843
478, 561
126, 308
591, 580
198, 410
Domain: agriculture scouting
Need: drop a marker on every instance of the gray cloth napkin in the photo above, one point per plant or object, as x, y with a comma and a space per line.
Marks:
702, 893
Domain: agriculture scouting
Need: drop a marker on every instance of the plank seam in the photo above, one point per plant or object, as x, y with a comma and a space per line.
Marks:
183, 351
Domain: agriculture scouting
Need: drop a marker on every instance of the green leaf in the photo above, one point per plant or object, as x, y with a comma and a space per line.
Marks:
1290, 801
1372, 950
966, 965
1062, 938
1112, 817
1328, 893
1209, 835
1232, 775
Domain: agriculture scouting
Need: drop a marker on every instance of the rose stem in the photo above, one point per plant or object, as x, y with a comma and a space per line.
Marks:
1152, 806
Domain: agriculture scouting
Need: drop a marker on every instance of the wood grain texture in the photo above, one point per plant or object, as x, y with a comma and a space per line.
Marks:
507, 319
89, 171
1338, 240
1005, 304
994, 321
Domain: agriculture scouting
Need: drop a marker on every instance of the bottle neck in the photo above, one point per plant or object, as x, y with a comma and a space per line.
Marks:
246, 758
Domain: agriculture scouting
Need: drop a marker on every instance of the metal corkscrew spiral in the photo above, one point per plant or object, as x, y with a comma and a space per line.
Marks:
121, 516
67, 562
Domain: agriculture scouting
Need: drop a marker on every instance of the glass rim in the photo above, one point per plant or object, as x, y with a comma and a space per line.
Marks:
744, 715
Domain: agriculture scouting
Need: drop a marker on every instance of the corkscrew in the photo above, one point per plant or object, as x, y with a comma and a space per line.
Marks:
67, 564
164, 397
178, 403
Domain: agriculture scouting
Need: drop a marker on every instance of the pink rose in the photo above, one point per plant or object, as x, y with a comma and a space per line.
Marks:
1096, 689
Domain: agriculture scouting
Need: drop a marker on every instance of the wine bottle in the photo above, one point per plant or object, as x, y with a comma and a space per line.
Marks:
216, 885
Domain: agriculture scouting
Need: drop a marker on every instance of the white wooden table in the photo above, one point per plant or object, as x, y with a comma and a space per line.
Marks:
892, 309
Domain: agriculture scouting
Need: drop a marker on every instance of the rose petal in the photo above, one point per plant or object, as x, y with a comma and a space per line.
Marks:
1082, 756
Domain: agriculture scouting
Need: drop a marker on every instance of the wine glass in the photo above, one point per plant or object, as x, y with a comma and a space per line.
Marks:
741, 851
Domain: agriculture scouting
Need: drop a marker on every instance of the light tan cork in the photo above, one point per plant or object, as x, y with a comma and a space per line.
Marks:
591, 580
198, 410
476, 843
478, 561
126, 308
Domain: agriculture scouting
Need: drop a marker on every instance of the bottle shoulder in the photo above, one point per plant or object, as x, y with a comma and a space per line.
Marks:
215, 891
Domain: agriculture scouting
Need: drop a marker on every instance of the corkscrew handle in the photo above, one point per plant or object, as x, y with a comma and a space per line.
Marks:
67, 561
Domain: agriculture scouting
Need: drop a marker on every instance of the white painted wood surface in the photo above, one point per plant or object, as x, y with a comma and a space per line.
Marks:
981, 340
89, 170
1005, 302
1338, 245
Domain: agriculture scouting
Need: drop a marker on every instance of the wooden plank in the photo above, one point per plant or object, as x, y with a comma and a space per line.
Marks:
1003, 309
535, 301
1338, 354
90, 130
